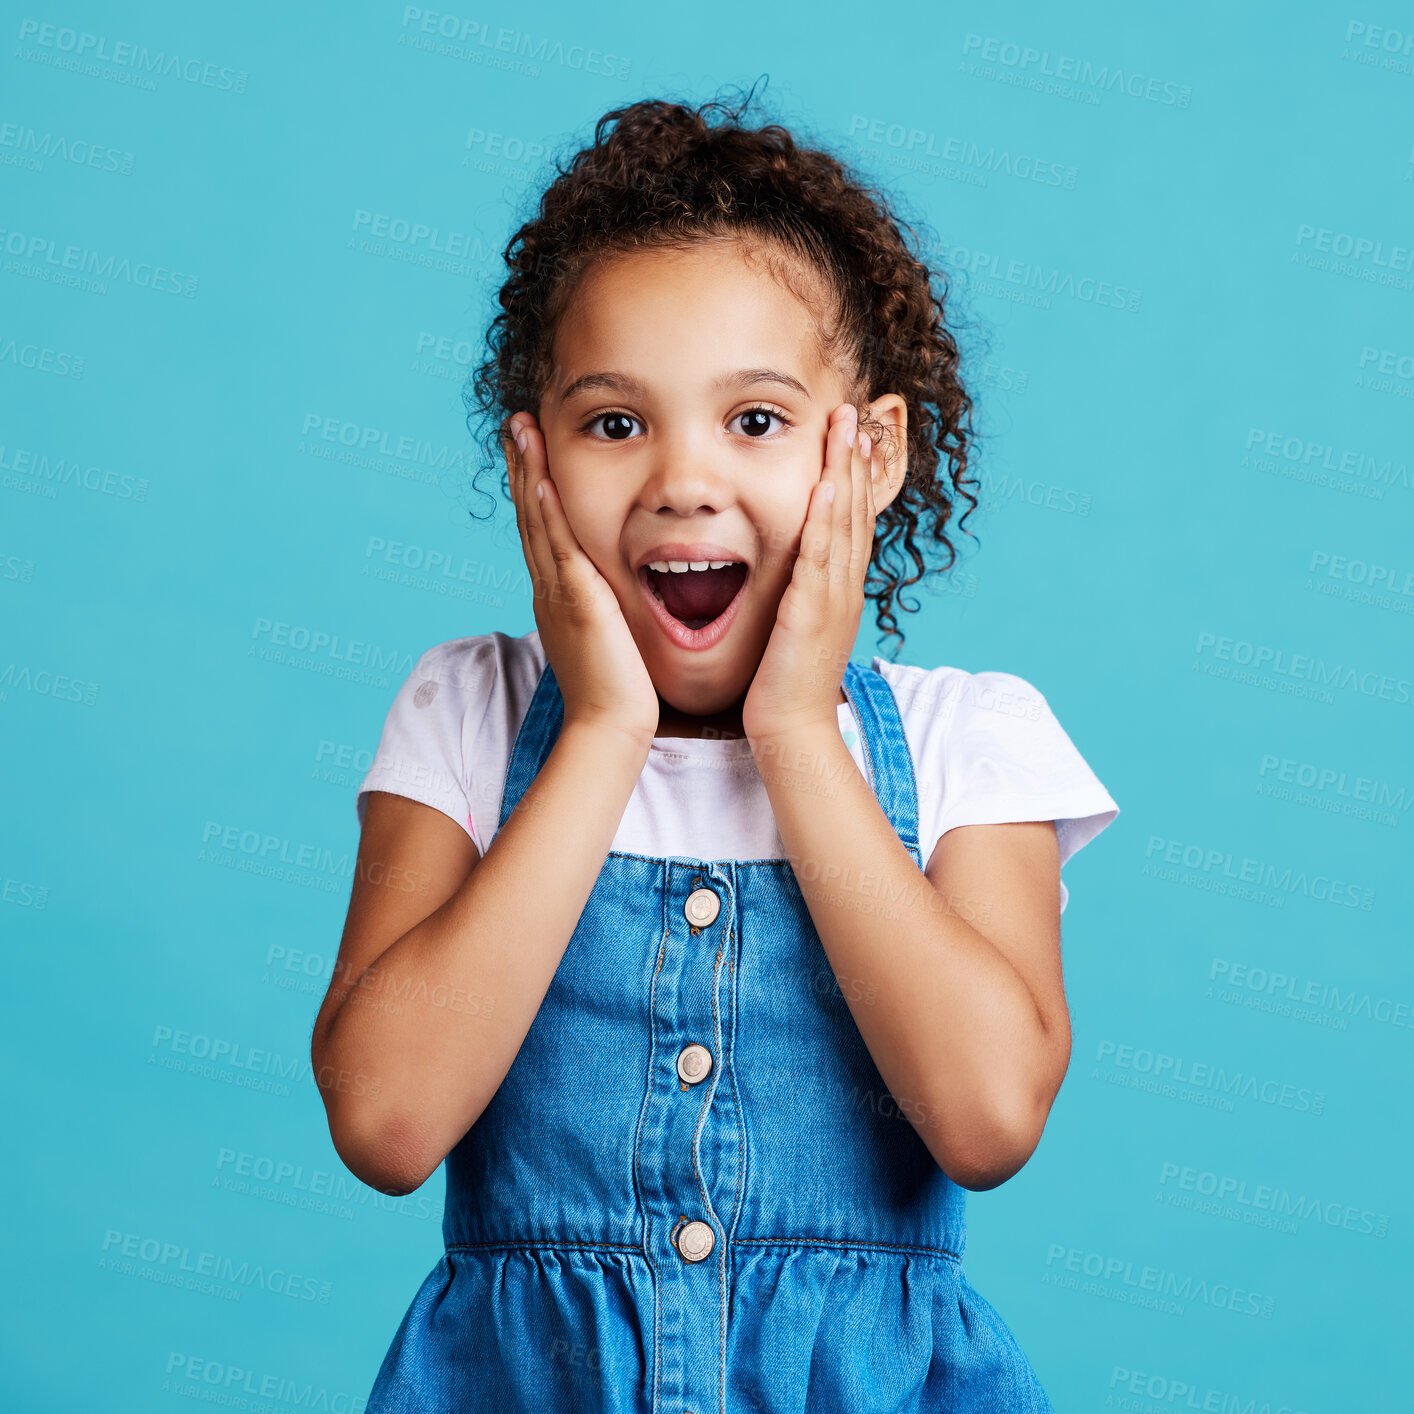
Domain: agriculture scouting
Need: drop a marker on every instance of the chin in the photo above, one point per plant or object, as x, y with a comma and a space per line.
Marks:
696, 687
682, 698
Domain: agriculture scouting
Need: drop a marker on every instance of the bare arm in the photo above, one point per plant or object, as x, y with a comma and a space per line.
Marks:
437, 984
953, 974
435, 990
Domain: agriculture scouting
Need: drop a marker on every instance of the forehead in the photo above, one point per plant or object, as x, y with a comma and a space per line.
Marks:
689, 314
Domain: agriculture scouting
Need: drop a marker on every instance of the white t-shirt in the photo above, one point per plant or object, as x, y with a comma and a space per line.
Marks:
986, 751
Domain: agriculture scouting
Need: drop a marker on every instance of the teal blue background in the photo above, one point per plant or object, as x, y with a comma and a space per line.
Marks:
1133, 522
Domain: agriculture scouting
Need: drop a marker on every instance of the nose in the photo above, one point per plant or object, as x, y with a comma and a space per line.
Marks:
685, 475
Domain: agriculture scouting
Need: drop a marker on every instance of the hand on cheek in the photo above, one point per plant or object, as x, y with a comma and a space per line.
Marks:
797, 684
600, 672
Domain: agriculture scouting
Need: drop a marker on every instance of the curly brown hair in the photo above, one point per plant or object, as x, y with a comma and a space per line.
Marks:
663, 174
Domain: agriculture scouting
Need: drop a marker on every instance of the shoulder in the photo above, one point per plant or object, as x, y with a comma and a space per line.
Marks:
449, 720
941, 695
466, 673
987, 748
950, 714
982, 717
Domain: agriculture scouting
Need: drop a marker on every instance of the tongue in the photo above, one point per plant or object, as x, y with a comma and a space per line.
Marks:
696, 597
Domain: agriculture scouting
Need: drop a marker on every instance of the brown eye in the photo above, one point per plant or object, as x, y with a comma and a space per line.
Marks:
617, 425
756, 422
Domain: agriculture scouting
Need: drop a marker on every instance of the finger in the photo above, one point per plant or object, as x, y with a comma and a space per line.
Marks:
514, 473
813, 561
572, 566
528, 522
861, 525
880, 465
817, 534
845, 478
541, 557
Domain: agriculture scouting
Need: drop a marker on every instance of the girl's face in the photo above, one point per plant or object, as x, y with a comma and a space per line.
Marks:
685, 421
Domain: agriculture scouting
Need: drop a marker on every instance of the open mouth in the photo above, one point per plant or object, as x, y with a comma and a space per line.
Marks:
695, 594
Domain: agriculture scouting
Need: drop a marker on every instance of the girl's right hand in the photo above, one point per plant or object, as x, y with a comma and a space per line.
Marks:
598, 667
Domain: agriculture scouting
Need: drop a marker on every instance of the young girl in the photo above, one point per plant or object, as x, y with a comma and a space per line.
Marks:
716, 965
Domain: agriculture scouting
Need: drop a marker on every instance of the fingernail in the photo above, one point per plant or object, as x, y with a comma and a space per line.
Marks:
864, 445
520, 438
829, 493
849, 436
539, 490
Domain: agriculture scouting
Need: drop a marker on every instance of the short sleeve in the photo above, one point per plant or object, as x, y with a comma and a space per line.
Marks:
420, 753
1006, 758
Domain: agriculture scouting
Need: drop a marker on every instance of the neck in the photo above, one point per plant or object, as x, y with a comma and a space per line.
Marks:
726, 723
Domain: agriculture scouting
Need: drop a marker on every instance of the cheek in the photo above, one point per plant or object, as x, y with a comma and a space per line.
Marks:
593, 517
779, 519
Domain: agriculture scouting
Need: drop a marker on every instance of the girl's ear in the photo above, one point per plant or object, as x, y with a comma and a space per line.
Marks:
889, 416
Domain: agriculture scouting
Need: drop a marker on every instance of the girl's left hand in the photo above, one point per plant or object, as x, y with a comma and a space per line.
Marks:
797, 684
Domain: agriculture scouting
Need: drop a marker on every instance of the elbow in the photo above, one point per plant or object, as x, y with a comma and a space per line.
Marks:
380, 1146
1008, 1125
996, 1147
387, 1154
393, 1174
979, 1171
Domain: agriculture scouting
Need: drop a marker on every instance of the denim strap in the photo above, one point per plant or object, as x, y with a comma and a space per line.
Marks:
886, 755
538, 733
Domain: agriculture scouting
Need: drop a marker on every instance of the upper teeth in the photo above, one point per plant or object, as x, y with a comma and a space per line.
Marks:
681, 566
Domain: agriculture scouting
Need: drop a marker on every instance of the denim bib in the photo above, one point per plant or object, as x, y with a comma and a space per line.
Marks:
692, 1192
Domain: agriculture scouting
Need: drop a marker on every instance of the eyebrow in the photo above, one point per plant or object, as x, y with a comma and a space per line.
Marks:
632, 388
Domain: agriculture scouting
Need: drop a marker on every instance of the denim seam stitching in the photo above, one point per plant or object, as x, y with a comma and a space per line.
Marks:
733, 940
846, 1246
705, 1106
729, 1064
554, 1244
517, 1244
638, 1149
722, 1255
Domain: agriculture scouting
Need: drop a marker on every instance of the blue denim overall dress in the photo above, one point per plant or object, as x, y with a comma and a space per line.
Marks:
692, 1192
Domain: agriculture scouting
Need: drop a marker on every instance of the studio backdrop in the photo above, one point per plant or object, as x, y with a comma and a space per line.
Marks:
248, 260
